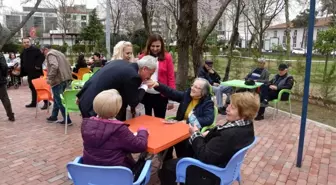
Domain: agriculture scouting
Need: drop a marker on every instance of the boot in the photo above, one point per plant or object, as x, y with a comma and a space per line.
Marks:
11, 118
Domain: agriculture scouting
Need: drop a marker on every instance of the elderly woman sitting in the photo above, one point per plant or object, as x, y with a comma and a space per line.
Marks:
217, 146
196, 106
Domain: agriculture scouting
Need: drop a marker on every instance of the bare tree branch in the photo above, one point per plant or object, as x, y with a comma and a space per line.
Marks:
18, 28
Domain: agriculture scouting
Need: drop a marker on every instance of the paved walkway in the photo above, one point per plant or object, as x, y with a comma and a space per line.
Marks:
35, 152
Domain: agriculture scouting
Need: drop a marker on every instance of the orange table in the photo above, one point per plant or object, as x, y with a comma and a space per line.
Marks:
161, 135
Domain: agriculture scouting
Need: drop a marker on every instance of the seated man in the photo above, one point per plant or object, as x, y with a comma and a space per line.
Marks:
259, 74
208, 73
269, 91
217, 146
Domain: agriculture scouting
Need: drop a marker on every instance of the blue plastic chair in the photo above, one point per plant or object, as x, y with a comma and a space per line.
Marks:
82, 174
228, 175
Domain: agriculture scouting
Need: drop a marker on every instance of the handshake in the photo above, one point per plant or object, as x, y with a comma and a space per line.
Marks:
150, 83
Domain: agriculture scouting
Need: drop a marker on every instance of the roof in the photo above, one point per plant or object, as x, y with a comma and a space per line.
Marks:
320, 22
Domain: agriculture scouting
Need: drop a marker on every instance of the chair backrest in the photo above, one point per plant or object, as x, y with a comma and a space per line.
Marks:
43, 94
70, 99
214, 123
41, 83
95, 69
82, 174
86, 76
234, 165
82, 71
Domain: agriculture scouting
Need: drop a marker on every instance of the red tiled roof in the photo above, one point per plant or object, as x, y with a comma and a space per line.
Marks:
324, 21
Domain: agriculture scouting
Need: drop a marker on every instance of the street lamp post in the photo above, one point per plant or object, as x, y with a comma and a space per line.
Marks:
108, 29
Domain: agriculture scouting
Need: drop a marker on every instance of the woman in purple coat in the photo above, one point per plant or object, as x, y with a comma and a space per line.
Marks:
107, 141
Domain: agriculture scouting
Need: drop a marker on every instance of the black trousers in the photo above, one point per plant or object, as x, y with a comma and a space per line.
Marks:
32, 89
5, 100
157, 103
266, 94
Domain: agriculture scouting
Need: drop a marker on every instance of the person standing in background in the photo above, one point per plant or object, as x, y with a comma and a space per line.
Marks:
31, 66
3, 88
164, 74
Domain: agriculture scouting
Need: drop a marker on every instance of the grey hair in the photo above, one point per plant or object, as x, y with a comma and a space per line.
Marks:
148, 61
262, 60
206, 88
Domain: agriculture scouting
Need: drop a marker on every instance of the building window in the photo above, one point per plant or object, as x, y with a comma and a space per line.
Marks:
83, 24
74, 17
220, 25
295, 33
275, 34
83, 17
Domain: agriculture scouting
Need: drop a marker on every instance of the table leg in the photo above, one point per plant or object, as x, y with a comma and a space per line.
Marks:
161, 158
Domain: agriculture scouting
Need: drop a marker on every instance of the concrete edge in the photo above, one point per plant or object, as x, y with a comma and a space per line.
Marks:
309, 121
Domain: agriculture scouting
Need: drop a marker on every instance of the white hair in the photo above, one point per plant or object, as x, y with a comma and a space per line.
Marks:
148, 61
118, 50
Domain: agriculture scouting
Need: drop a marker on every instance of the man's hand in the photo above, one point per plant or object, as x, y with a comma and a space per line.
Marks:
170, 106
273, 87
210, 70
216, 84
193, 129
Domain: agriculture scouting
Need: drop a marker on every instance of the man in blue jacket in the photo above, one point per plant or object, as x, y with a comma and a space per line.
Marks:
207, 72
3, 88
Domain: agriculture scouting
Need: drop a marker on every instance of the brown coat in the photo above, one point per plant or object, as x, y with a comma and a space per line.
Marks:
59, 68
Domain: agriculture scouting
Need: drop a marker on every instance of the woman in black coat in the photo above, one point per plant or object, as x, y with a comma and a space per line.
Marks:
81, 63
218, 145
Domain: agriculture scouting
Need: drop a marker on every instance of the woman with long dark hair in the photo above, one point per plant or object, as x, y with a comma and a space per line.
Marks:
81, 63
164, 74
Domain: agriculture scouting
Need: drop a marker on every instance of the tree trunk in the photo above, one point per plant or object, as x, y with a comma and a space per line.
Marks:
145, 16
4, 40
287, 29
183, 42
198, 40
303, 37
325, 67
233, 40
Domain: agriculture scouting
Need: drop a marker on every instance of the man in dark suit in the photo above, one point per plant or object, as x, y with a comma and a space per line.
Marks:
3, 88
31, 66
123, 76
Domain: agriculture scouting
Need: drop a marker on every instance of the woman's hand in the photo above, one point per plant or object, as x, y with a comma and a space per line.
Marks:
205, 133
193, 129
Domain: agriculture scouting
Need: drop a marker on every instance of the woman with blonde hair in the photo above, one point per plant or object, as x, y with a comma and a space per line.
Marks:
107, 141
123, 50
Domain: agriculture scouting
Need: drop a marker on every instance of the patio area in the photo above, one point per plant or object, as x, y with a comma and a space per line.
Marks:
34, 152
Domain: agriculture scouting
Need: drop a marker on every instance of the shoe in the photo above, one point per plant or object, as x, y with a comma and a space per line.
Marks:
222, 110
51, 119
11, 118
259, 117
45, 106
63, 122
30, 105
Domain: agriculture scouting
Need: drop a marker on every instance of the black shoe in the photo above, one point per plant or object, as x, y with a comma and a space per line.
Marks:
259, 117
51, 119
45, 106
30, 105
222, 110
63, 122
11, 118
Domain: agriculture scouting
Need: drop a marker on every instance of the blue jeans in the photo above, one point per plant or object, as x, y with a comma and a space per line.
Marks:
219, 90
57, 90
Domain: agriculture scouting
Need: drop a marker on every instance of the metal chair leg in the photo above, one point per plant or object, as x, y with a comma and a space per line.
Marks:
290, 109
66, 121
275, 107
36, 109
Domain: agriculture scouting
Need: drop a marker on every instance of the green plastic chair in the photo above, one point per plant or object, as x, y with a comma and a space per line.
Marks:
95, 69
203, 128
69, 102
78, 84
276, 101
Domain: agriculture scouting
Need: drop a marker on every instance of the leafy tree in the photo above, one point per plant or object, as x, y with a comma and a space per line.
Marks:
301, 21
139, 37
325, 44
94, 31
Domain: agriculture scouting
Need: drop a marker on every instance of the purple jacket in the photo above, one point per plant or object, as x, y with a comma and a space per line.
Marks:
110, 142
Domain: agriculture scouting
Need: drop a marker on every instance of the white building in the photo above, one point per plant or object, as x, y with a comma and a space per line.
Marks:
276, 35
